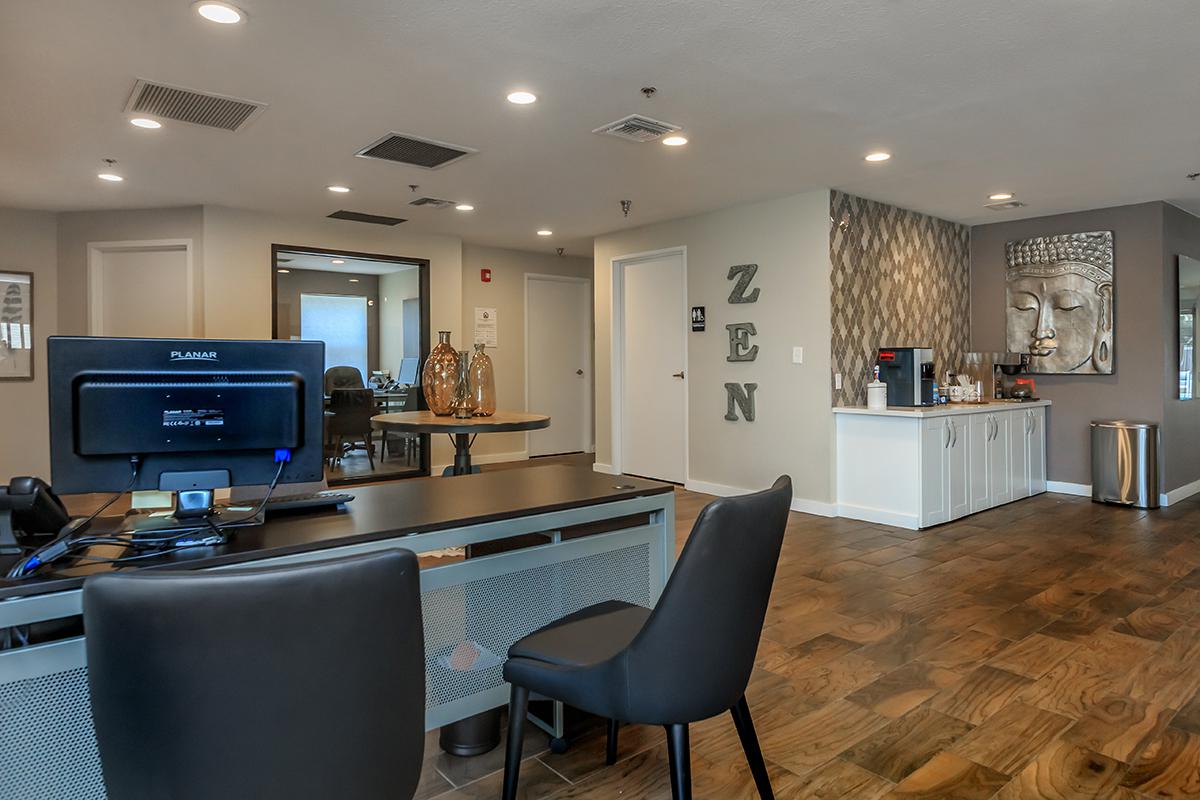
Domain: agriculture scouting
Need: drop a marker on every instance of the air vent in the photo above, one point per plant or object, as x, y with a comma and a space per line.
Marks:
637, 128
189, 105
415, 151
432, 202
1005, 206
358, 216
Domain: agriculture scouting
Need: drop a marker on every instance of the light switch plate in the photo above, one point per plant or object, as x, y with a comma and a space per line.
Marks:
797, 355
837, 380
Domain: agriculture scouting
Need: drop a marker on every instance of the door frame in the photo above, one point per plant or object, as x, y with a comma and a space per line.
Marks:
589, 439
617, 343
95, 278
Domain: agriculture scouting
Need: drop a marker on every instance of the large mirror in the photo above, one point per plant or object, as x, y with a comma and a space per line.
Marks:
372, 313
1189, 294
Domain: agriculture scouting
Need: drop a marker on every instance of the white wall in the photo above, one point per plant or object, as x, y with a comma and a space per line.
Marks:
506, 293
29, 245
793, 433
394, 289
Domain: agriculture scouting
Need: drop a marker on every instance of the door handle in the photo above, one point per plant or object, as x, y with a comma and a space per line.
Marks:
578, 372
946, 446
677, 374
990, 434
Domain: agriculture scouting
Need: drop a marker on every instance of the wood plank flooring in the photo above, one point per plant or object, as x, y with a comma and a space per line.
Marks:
1046, 649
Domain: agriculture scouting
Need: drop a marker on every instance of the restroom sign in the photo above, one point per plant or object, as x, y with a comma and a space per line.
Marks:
697, 319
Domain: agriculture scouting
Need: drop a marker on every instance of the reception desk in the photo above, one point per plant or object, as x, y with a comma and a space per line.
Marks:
584, 537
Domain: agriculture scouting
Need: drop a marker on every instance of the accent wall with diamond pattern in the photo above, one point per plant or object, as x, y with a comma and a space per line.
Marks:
899, 279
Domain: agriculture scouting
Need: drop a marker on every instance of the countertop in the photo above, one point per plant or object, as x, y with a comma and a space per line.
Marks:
925, 412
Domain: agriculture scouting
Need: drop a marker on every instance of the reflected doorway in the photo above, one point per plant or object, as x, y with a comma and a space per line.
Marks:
372, 313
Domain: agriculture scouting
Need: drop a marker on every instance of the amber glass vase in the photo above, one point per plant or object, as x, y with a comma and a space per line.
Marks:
483, 383
439, 379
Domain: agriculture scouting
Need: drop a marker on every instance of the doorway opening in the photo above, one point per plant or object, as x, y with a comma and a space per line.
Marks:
372, 313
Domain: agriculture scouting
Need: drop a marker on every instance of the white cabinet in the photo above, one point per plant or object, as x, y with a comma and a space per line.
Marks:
1035, 454
945, 471
959, 468
1018, 453
991, 483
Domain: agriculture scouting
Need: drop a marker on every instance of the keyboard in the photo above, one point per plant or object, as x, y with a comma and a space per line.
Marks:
311, 501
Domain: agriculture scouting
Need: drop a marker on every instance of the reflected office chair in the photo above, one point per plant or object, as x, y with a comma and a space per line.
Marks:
348, 426
343, 378
286, 683
687, 660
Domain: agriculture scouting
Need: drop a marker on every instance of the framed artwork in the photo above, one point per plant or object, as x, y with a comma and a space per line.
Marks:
16, 326
1060, 303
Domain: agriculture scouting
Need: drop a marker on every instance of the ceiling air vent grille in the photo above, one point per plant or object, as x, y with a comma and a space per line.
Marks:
1005, 206
637, 128
415, 151
358, 216
189, 105
432, 202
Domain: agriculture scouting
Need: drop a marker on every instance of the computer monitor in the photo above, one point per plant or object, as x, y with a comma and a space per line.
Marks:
198, 414
408, 371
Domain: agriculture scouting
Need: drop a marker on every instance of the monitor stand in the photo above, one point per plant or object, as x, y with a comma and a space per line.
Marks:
195, 520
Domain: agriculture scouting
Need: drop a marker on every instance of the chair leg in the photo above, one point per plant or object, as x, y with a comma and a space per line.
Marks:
679, 754
518, 706
610, 753
370, 452
754, 756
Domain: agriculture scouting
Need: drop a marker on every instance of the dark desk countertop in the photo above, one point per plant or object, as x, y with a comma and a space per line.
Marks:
380, 512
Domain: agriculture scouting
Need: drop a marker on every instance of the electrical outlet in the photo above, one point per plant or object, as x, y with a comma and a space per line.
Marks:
797, 355
837, 380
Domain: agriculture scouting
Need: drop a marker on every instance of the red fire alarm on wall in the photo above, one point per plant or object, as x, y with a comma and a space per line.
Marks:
485, 275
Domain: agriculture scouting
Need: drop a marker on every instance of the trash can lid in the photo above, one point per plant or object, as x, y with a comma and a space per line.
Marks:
1123, 423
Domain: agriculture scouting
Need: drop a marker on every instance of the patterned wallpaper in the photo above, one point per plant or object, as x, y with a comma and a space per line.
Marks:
900, 279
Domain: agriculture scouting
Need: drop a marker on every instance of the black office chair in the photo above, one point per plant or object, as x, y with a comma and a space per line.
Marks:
687, 660
348, 427
343, 378
288, 683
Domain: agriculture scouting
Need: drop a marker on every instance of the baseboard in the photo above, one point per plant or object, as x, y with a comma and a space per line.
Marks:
607, 469
1063, 487
1179, 493
486, 458
803, 505
879, 516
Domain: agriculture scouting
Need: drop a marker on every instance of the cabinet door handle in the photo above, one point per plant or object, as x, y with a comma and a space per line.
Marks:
954, 430
990, 432
947, 444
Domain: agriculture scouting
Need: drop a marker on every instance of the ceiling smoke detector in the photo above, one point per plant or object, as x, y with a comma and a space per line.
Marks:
637, 128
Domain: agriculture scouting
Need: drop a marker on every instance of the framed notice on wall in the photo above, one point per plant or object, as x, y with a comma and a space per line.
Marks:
485, 326
16, 326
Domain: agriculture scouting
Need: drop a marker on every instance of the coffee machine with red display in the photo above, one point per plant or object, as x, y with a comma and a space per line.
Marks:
909, 375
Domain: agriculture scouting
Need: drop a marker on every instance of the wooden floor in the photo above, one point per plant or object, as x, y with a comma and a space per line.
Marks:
1045, 649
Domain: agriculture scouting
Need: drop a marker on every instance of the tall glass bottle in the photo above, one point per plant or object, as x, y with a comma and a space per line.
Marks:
464, 402
483, 382
439, 378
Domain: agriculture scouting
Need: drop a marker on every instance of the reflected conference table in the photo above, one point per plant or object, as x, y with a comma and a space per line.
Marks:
623, 549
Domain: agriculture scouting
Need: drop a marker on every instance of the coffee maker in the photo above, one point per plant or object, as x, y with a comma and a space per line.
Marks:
1011, 376
908, 373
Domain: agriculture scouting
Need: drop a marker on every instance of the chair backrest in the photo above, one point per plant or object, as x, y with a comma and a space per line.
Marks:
280, 683
352, 411
694, 656
343, 378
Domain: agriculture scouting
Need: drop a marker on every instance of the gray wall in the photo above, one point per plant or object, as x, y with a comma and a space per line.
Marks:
290, 285
1135, 389
1181, 463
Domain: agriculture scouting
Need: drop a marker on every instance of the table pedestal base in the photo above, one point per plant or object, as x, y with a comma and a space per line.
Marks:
472, 736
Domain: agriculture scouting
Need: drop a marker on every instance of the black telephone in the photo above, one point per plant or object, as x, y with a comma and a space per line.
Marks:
30, 514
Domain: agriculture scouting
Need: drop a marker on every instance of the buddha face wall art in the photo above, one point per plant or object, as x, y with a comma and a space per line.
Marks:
1060, 303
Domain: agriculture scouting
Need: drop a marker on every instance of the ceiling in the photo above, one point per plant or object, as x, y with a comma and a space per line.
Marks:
1070, 104
289, 259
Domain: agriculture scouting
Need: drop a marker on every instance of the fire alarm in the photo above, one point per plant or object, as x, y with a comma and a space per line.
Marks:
485, 275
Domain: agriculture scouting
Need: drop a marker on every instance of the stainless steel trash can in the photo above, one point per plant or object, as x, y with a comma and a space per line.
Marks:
1125, 462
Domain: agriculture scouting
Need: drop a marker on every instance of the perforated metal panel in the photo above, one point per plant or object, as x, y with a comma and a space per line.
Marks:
415, 151
47, 744
497, 611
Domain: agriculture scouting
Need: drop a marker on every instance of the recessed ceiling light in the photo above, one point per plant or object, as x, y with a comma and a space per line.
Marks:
216, 11
283, 271
143, 122
675, 141
1000, 196
464, 207
339, 189
875, 157
545, 232
522, 98
354, 280
337, 261
111, 177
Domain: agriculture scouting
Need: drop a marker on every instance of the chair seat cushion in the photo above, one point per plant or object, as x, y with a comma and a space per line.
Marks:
588, 636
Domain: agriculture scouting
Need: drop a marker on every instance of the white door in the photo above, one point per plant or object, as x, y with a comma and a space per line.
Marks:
1037, 450
654, 322
1018, 452
935, 442
959, 469
999, 485
979, 428
141, 289
558, 362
